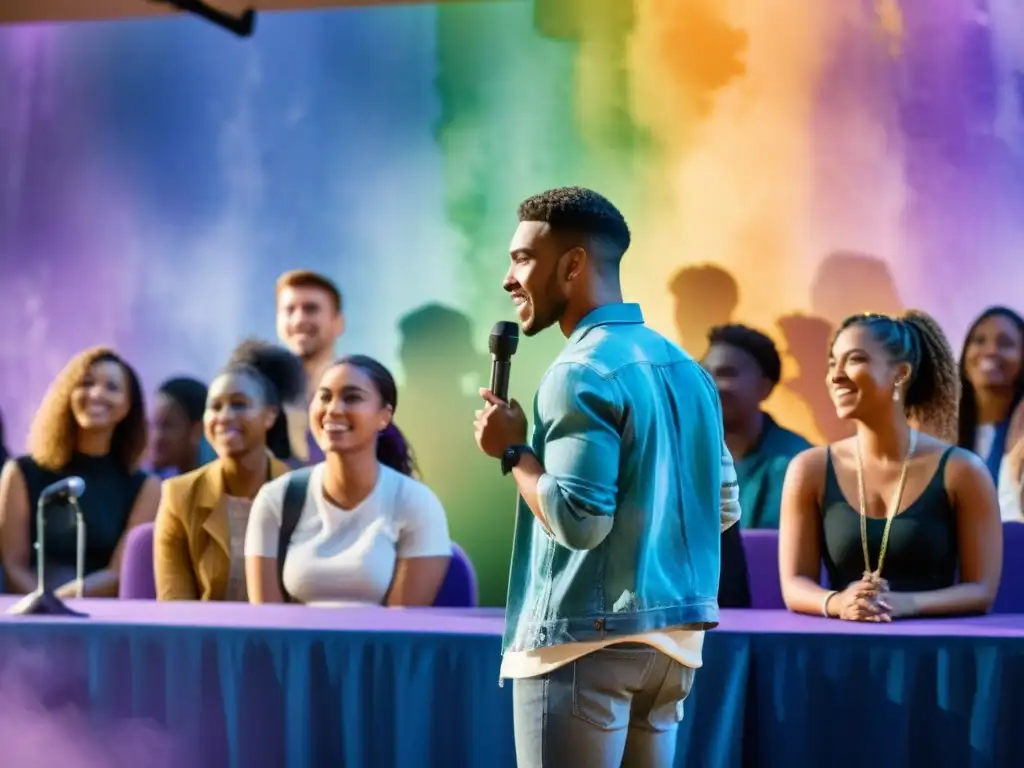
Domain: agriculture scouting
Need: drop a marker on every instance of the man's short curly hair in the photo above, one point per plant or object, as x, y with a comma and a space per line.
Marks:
756, 344
579, 211
52, 435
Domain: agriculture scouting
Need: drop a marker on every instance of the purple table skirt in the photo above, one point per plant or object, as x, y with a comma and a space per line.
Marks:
474, 621
167, 685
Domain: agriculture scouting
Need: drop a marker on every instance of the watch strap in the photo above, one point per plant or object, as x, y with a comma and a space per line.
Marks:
510, 458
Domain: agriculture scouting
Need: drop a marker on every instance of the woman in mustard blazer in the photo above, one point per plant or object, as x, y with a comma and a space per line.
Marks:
200, 526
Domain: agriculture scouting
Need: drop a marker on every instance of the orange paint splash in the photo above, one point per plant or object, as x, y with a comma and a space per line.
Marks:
727, 91
890, 22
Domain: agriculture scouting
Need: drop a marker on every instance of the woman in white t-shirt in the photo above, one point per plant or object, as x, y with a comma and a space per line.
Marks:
991, 418
368, 531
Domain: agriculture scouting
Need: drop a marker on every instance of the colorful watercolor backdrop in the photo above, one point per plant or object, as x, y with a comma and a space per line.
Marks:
782, 163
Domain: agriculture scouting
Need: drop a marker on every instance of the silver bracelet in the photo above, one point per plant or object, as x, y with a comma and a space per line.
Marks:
824, 603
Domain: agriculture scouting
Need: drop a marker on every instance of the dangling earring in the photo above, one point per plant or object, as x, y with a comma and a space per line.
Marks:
896, 392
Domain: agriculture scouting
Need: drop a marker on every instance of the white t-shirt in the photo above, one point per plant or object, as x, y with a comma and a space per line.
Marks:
349, 555
1009, 493
1008, 488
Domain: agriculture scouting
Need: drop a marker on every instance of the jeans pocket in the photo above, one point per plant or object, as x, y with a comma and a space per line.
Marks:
667, 711
601, 684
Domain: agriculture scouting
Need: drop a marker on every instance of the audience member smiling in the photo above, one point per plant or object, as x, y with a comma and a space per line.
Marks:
905, 523
367, 531
200, 530
992, 403
91, 424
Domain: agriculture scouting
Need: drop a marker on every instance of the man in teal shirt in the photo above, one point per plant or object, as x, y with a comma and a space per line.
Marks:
746, 368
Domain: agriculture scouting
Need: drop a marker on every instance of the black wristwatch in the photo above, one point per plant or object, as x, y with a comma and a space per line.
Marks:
510, 458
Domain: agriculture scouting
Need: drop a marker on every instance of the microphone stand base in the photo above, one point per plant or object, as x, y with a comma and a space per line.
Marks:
43, 603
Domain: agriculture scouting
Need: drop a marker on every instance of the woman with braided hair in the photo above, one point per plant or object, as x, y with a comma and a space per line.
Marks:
905, 522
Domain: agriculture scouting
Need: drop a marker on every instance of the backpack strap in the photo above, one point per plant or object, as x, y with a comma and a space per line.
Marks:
291, 511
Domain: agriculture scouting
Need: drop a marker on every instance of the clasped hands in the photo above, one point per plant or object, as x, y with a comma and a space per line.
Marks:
869, 599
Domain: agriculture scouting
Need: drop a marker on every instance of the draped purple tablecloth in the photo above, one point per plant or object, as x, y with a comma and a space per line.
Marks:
462, 621
220, 684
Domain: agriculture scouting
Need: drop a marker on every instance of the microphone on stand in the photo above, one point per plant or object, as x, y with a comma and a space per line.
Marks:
43, 602
69, 487
503, 344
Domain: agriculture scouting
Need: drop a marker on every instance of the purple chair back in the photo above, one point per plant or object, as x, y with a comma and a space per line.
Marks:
459, 589
137, 579
761, 547
1011, 587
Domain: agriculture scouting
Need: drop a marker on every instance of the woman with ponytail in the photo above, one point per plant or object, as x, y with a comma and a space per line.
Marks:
198, 546
367, 532
905, 522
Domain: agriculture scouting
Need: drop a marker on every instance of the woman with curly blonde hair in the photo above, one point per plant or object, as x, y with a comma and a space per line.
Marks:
91, 424
895, 511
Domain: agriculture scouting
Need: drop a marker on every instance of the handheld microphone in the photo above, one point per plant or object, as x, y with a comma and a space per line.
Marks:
68, 488
503, 344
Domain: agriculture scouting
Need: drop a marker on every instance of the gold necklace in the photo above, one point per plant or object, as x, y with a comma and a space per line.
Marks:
894, 507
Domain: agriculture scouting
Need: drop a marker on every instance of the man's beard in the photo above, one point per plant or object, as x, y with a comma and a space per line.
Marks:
549, 318
556, 304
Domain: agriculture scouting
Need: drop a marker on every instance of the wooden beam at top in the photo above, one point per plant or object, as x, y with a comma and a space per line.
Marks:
27, 11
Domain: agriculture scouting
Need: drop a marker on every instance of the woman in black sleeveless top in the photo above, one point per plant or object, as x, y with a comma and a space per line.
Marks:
91, 424
893, 512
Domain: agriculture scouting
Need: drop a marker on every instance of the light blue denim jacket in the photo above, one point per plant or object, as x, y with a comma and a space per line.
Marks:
637, 488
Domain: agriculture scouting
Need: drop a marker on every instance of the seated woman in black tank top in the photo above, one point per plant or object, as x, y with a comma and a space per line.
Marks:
893, 513
91, 424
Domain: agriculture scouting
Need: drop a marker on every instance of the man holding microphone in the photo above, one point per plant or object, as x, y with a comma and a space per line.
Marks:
624, 489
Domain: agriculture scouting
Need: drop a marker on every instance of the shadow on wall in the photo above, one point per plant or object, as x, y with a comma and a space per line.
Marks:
704, 296
442, 371
845, 283
849, 283
806, 341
